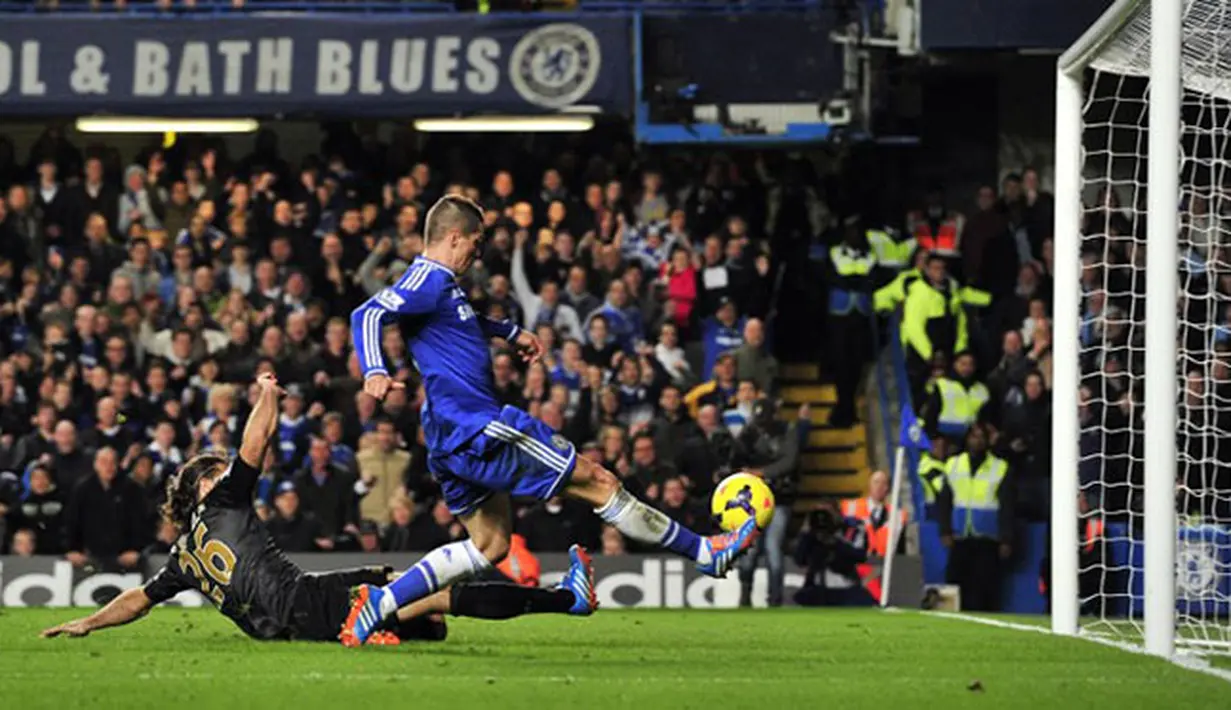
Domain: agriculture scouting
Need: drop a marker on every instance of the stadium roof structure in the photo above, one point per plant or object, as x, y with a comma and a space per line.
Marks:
215, 8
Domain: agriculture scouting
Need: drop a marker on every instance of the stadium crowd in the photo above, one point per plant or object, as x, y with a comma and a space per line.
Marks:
139, 301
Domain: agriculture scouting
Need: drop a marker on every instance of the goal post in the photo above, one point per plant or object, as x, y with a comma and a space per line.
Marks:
1143, 134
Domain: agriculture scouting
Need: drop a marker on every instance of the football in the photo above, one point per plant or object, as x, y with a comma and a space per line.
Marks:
739, 496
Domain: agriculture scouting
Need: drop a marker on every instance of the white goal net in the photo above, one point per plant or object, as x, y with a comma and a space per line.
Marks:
1114, 335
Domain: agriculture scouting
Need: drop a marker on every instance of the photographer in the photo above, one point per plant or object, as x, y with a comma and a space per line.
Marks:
769, 449
831, 548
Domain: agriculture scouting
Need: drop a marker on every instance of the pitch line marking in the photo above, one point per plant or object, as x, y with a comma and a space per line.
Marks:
1182, 659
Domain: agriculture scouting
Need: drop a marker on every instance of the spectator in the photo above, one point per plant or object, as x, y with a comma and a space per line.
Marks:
624, 319
382, 474
410, 531
1027, 437
544, 306
340, 452
179, 209
293, 428
53, 202
670, 356
675, 503
647, 469
25, 543
653, 205
70, 464
292, 529
396, 536
327, 491
770, 450
108, 433
720, 334
551, 526
41, 512
24, 229
1040, 208
92, 196
577, 293
104, 256
139, 269
680, 279
707, 458
39, 442
671, 425
613, 542
736, 417
719, 391
149, 492
982, 238
600, 348
1040, 351
163, 452
1007, 377
714, 278
104, 517
753, 361
504, 377
136, 206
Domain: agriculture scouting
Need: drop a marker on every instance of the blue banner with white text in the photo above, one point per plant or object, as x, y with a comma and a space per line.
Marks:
324, 66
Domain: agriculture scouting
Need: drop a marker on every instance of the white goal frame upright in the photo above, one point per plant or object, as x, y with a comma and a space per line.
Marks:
1160, 349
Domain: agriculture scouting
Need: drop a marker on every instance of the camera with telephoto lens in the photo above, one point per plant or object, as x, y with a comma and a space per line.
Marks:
824, 523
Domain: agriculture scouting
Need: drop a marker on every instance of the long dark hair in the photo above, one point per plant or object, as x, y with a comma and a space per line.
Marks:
182, 487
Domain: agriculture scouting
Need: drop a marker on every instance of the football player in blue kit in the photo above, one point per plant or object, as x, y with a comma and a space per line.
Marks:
480, 452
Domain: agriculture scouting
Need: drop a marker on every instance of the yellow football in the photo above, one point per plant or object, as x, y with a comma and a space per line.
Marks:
740, 496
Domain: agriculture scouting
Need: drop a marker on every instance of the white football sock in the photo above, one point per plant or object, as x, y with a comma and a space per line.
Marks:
645, 524
438, 569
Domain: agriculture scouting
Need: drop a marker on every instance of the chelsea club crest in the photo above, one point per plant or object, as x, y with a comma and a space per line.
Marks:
555, 65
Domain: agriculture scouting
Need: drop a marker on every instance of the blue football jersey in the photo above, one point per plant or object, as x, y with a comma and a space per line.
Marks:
449, 346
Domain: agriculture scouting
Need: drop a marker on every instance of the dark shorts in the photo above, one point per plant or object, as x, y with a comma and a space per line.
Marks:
323, 602
515, 453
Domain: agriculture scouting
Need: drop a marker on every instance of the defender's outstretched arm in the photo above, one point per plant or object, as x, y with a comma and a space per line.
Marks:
130, 605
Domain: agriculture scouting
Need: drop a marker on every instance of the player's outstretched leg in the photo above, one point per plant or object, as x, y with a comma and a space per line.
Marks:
600, 488
487, 600
505, 600
489, 526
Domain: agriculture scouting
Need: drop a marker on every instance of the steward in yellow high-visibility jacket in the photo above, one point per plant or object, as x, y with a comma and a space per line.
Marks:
955, 402
933, 312
848, 317
888, 251
975, 513
890, 296
934, 321
932, 473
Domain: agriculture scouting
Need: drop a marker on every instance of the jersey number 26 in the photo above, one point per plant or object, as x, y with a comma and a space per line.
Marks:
210, 562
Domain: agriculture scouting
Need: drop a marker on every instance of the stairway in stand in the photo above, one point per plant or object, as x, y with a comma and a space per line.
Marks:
834, 462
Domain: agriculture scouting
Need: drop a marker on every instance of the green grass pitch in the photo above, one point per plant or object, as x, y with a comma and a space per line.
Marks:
615, 659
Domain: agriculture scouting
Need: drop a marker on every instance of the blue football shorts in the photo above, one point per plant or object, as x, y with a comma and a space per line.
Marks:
515, 453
